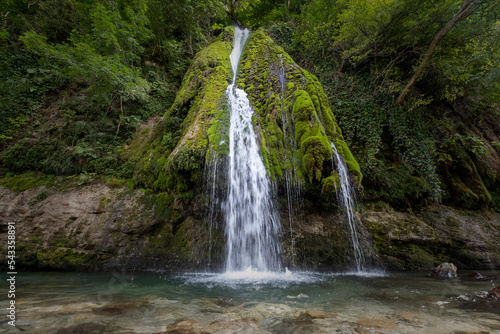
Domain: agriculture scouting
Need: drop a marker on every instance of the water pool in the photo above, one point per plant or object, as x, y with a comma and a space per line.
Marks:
122, 302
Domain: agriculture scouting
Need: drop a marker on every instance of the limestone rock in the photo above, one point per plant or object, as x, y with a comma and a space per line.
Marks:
407, 240
96, 227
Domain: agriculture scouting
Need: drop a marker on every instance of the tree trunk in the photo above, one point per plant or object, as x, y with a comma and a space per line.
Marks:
465, 10
230, 11
234, 18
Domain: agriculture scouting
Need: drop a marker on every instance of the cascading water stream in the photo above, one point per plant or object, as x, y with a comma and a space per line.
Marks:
252, 223
346, 200
289, 172
213, 203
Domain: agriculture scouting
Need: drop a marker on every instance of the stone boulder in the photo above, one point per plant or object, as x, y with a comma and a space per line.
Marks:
445, 270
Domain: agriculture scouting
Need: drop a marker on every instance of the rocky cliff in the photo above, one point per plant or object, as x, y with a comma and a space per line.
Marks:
103, 227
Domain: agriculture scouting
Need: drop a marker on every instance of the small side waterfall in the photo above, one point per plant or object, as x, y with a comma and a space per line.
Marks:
211, 186
345, 197
252, 223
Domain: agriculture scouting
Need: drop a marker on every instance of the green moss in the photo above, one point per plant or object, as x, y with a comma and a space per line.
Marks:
113, 182
38, 198
25, 181
349, 159
330, 184
67, 259
308, 117
60, 239
218, 137
103, 202
175, 152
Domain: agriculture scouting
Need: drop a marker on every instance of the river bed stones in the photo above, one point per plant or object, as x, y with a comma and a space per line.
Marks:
495, 292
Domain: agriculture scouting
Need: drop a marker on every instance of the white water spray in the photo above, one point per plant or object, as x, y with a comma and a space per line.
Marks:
345, 197
252, 223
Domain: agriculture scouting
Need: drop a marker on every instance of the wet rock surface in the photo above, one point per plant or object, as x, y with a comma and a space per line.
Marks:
436, 234
445, 270
96, 227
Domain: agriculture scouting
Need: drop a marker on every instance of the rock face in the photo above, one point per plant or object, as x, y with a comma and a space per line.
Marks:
406, 240
445, 270
99, 227
96, 227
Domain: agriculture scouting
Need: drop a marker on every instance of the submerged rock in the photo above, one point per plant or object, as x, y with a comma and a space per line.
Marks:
84, 328
445, 270
299, 296
476, 276
495, 292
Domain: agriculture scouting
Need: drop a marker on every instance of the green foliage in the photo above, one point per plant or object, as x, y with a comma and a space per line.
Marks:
78, 76
391, 36
23, 86
394, 147
88, 47
104, 60
472, 144
178, 37
413, 140
258, 13
21, 182
361, 115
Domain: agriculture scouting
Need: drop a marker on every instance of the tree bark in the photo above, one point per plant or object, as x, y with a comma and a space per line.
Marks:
465, 10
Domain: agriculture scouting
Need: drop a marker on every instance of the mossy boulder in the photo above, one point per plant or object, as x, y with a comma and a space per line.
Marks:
173, 156
296, 123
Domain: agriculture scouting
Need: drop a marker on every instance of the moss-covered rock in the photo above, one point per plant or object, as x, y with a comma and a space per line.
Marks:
173, 155
296, 123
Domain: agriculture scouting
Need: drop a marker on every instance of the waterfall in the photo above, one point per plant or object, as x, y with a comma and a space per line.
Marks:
345, 197
252, 224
